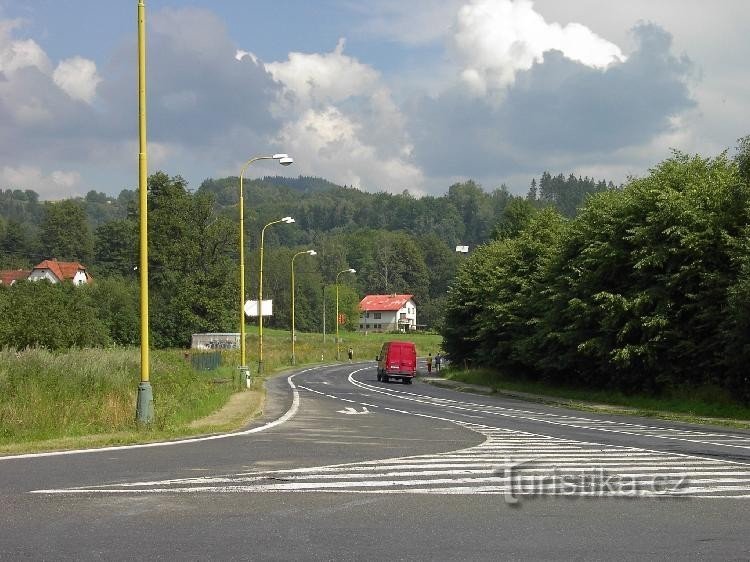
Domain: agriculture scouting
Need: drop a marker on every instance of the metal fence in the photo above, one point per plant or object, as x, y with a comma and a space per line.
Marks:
205, 361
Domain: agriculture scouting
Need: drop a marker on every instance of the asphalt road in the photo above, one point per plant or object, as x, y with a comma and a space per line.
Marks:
345, 467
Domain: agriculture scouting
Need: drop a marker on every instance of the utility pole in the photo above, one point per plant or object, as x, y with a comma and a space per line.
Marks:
324, 312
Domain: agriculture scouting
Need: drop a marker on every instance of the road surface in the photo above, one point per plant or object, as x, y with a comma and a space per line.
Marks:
345, 467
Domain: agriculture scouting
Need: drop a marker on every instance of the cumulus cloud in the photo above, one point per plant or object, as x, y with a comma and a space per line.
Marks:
495, 39
556, 112
17, 53
316, 78
330, 144
341, 121
78, 78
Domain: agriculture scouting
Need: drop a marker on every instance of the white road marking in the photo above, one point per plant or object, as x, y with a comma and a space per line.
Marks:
609, 426
508, 462
353, 411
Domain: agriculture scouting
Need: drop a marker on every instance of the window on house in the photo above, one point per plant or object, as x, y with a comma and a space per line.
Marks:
377, 315
367, 326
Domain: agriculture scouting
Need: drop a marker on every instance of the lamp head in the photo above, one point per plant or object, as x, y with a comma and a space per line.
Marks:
312, 252
288, 220
352, 271
283, 158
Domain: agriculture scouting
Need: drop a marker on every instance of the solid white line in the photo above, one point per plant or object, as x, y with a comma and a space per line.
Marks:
289, 414
632, 429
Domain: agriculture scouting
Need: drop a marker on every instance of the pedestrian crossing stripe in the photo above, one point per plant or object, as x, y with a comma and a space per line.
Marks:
512, 463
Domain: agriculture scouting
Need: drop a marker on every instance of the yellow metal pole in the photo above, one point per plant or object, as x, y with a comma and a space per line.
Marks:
338, 352
243, 346
243, 364
310, 253
337, 319
260, 300
145, 401
294, 359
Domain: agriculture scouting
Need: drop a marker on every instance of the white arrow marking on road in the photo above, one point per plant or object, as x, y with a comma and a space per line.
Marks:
352, 411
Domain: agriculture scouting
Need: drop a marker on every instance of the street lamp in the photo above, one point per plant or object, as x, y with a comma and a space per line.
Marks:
286, 220
144, 409
309, 253
284, 160
338, 352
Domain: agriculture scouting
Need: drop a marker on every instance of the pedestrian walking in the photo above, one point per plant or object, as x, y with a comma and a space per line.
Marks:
351, 354
429, 363
438, 361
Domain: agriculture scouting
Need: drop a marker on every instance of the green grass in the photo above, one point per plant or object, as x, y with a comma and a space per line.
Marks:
309, 347
686, 404
47, 395
86, 397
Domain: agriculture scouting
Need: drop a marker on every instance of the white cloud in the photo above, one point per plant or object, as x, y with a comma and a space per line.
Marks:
323, 78
494, 39
78, 78
341, 121
17, 54
328, 143
57, 184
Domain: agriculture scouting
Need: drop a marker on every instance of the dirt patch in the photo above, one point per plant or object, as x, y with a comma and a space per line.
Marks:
241, 408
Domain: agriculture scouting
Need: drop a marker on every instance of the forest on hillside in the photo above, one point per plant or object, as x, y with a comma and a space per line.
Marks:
397, 244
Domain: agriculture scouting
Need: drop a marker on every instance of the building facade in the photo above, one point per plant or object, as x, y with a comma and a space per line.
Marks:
58, 271
387, 313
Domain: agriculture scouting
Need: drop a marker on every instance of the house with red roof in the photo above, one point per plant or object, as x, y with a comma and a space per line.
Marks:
11, 276
387, 313
58, 271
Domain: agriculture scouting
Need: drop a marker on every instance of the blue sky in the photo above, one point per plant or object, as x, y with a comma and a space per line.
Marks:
384, 95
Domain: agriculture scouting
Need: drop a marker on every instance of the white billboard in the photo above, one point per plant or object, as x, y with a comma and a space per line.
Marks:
251, 308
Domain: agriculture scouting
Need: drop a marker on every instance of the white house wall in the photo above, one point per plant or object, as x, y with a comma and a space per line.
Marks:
388, 321
41, 274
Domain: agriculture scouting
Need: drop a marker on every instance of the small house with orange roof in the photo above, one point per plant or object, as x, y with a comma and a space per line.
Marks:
58, 271
11, 276
388, 313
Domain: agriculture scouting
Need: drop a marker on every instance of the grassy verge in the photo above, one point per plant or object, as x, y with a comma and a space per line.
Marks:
310, 348
696, 405
86, 397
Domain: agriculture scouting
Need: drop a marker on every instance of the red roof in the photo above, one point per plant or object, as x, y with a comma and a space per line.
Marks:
63, 269
8, 277
384, 302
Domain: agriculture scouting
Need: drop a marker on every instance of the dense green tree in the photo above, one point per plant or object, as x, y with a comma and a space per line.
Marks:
513, 219
193, 280
52, 316
65, 232
117, 248
117, 301
646, 289
18, 248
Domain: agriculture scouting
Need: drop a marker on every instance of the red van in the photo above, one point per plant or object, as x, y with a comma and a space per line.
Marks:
397, 360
